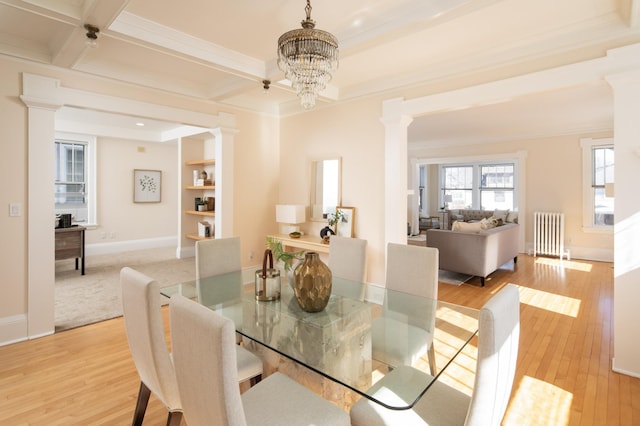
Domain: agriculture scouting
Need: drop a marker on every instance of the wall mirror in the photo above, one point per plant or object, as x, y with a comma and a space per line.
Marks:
325, 188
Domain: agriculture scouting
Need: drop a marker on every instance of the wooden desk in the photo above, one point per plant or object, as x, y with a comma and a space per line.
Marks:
305, 242
70, 244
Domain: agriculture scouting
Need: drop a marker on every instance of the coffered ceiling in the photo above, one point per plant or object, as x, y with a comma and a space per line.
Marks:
222, 50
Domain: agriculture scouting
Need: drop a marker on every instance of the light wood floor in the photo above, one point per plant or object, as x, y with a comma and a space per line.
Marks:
85, 376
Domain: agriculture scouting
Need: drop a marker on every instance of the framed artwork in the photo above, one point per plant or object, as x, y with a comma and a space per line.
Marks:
345, 224
147, 186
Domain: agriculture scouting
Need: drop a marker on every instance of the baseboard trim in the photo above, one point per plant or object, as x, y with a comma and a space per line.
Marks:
122, 246
13, 329
623, 371
584, 253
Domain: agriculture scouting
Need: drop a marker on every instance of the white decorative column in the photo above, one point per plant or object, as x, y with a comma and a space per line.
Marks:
626, 91
41, 96
224, 178
395, 168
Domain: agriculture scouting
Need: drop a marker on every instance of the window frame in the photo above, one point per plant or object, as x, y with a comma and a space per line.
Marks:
90, 160
588, 186
476, 190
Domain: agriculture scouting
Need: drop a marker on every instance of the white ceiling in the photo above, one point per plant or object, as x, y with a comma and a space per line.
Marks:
222, 50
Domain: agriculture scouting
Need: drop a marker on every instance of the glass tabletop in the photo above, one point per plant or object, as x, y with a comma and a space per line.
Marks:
353, 341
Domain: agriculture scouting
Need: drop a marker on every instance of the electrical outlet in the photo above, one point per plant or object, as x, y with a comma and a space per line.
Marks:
112, 235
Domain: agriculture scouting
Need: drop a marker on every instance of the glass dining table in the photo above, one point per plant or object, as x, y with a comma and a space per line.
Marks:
339, 342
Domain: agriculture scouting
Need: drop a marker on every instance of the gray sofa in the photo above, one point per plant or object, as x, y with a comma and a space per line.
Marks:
475, 253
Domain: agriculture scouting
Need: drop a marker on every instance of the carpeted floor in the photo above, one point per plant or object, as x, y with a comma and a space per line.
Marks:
96, 296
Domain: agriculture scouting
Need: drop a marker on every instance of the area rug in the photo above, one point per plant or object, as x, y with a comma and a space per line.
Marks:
417, 240
96, 296
453, 278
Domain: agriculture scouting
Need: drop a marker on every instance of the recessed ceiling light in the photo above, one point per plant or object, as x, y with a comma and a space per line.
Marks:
140, 124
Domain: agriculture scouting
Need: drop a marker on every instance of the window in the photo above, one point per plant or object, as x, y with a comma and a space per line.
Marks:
74, 186
457, 188
486, 186
496, 186
598, 178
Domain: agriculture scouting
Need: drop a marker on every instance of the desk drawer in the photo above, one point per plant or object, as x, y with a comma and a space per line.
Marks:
68, 244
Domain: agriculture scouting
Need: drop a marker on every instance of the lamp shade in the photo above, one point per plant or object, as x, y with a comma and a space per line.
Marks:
608, 190
290, 213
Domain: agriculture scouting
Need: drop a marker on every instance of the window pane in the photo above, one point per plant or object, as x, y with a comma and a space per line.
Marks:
496, 176
603, 173
603, 208
501, 200
458, 177
70, 173
458, 199
603, 165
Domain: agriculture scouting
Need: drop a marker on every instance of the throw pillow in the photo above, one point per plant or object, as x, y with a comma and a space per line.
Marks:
512, 217
489, 223
467, 227
501, 214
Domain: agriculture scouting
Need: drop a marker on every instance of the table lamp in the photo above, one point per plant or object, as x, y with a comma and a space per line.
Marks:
288, 215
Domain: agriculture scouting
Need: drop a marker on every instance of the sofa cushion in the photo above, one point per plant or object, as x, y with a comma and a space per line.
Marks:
501, 214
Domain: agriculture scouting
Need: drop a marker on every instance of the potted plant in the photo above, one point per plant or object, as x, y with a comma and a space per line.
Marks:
333, 219
279, 254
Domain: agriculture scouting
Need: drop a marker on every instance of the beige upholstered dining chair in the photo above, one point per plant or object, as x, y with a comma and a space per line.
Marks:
217, 256
203, 343
145, 333
347, 259
498, 338
412, 270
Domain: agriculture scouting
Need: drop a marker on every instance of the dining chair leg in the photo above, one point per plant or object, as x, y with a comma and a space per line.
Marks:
141, 404
174, 418
255, 380
431, 353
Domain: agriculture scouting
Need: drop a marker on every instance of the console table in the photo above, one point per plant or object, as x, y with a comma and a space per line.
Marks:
70, 244
305, 242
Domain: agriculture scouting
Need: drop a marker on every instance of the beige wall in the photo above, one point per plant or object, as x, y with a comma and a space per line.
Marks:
255, 171
352, 131
13, 175
256, 183
119, 218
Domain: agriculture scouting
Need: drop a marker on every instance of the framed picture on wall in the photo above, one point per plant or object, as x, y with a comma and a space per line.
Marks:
147, 186
345, 224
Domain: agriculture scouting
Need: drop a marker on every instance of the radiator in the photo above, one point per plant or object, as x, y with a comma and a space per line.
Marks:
548, 234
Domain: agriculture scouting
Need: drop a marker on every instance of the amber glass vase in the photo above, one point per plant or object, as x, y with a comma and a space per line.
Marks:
312, 283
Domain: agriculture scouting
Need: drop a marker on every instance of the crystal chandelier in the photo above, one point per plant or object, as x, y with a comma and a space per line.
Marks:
308, 57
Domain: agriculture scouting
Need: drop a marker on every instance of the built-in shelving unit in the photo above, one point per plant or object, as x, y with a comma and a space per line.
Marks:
206, 191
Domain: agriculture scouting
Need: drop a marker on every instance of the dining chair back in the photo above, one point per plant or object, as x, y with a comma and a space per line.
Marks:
217, 256
397, 339
347, 260
145, 334
498, 340
203, 354
412, 269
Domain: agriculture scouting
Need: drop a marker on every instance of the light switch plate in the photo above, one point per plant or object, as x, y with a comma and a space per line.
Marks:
15, 209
